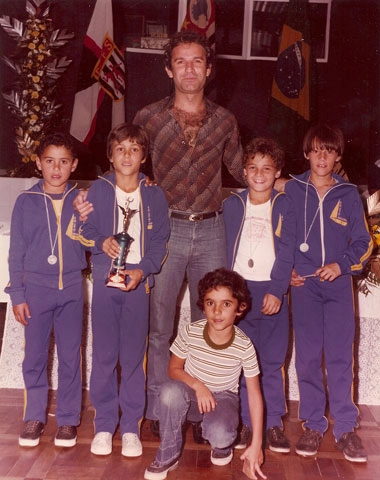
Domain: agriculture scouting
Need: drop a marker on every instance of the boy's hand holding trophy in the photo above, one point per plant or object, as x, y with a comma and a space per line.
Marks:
117, 277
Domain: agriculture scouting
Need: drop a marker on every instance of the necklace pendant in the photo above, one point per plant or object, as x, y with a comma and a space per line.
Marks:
52, 259
304, 247
250, 263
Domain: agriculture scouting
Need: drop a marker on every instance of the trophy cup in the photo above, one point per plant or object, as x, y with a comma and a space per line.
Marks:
116, 278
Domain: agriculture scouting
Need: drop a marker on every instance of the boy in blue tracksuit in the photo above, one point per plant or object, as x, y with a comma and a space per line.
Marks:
46, 291
259, 248
332, 243
120, 316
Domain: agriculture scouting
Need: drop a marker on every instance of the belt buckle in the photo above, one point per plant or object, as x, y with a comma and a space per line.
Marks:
195, 217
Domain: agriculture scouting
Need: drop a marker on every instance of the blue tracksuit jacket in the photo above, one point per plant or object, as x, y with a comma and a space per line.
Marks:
120, 319
30, 244
54, 295
323, 312
269, 333
339, 233
155, 227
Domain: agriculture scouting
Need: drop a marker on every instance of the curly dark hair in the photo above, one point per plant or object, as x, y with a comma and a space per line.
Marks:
265, 146
222, 277
187, 36
58, 139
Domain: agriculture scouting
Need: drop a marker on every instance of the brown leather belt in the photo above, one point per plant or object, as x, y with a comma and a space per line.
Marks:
194, 217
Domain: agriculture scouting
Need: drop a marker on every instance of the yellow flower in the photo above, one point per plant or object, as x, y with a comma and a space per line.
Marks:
31, 46
40, 57
34, 155
376, 233
41, 47
36, 33
35, 94
35, 79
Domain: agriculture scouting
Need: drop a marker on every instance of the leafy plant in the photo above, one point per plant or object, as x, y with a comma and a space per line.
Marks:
31, 98
370, 276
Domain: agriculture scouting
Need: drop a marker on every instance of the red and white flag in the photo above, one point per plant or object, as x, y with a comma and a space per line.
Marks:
101, 75
200, 17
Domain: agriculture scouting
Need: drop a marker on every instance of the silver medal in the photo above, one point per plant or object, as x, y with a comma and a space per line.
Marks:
304, 247
52, 259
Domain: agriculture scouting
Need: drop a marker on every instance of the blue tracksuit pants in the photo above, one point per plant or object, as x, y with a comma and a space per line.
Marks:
269, 335
61, 310
119, 328
324, 328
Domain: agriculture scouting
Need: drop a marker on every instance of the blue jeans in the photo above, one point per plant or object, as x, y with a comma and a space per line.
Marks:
219, 427
195, 248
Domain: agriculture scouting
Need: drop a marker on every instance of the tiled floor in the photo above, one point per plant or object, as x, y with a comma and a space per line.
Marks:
47, 462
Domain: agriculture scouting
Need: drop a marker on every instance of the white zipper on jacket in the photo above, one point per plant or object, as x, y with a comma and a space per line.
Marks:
321, 221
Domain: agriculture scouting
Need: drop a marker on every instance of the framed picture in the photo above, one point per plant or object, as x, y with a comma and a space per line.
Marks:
252, 29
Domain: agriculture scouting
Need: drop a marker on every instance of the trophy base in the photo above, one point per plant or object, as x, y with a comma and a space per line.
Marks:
117, 280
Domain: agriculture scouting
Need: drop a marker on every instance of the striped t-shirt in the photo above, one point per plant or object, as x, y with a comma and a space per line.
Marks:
218, 368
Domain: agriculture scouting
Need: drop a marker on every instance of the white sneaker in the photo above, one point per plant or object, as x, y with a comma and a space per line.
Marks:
131, 445
102, 444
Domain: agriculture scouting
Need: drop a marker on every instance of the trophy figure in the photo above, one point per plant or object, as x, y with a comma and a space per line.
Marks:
116, 278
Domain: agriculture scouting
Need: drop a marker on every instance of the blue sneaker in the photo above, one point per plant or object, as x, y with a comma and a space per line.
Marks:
308, 444
157, 471
352, 448
220, 459
30, 437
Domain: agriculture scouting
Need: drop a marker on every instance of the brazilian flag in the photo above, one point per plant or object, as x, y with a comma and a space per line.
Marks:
291, 112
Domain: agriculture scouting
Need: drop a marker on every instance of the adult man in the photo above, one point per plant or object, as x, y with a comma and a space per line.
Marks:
190, 137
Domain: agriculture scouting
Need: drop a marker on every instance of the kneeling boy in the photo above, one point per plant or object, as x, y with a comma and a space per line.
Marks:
207, 359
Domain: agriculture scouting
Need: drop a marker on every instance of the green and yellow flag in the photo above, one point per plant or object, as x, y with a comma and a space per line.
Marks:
291, 112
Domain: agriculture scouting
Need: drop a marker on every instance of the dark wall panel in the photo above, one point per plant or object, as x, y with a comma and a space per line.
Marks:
348, 85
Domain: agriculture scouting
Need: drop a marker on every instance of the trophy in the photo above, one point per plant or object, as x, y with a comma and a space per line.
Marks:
116, 278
